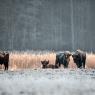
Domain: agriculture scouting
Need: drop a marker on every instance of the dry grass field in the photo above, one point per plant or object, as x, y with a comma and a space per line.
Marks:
32, 59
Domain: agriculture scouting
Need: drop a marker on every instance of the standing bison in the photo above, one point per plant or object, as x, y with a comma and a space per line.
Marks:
4, 59
63, 58
79, 57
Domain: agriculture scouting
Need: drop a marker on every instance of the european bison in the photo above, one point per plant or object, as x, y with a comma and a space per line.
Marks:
45, 64
4, 59
79, 57
63, 58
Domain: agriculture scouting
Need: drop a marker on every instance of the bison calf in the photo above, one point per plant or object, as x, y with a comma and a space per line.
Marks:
45, 64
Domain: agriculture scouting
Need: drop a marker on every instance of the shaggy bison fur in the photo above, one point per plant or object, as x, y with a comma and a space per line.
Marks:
63, 58
4, 59
79, 58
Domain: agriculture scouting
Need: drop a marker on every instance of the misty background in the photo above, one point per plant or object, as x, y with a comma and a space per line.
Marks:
47, 25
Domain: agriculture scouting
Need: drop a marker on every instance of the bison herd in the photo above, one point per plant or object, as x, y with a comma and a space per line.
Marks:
62, 58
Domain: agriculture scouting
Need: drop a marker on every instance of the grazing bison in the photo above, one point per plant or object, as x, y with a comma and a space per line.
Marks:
63, 58
45, 64
79, 57
4, 59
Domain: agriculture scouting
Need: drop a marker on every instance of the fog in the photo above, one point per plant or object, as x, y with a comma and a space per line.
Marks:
47, 24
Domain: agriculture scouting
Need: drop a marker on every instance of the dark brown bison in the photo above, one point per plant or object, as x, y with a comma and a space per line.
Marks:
63, 58
4, 59
45, 64
79, 58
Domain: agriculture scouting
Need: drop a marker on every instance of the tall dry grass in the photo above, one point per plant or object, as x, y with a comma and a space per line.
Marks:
32, 59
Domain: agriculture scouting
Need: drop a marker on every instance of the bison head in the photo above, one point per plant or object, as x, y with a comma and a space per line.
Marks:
76, 57
44, 63
67, 56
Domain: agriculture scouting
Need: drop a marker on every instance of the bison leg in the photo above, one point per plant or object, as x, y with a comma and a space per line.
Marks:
60, 63
84, 64
57, 62
79, 65
65, 64
6, 66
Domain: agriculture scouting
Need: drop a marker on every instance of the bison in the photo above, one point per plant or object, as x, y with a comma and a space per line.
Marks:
63, 58
45, 64
79, 57
4, 59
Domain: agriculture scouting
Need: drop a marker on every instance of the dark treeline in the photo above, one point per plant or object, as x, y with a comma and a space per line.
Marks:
47, 24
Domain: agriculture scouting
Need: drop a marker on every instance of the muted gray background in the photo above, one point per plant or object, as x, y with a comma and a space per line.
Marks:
47, 24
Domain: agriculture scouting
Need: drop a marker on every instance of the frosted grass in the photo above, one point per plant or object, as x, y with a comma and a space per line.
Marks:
48, 82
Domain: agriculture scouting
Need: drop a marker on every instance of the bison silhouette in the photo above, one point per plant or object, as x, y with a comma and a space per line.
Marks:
63, 58
4, 59
45, 64
79, 57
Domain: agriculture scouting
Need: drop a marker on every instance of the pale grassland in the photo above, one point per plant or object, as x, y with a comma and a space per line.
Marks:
32, 59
